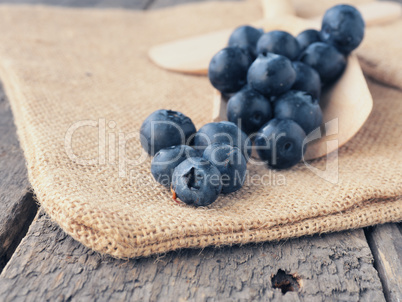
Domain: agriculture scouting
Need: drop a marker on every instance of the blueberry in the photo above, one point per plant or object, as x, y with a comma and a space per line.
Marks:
307, 37
280, 143
326, 60
224, 133
197, 182
246, 37
271, 75
249, 109
343, 28
165, 128
299, 107
278, 42
307, 79
166, 160
227, 70
230, 163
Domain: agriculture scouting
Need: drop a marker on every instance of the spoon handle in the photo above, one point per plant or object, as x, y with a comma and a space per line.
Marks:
277, 8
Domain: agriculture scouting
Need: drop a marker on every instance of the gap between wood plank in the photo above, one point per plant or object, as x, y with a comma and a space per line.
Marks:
148, 4
17, 207
385, 242
25, 213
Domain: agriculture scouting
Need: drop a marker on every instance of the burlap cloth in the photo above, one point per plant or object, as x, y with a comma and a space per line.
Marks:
60, 66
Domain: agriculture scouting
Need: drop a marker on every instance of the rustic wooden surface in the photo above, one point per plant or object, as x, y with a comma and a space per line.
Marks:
386, 246
17, 208
49, 265
156, 4
127, 4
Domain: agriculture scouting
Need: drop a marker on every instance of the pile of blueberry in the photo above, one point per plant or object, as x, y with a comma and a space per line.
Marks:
196, 166
273, 82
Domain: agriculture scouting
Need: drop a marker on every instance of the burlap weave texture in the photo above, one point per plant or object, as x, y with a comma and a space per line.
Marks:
64, 67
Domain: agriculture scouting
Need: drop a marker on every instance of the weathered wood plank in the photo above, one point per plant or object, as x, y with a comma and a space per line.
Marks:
156, 4
127, 4
17, 207
48, 264
386, 245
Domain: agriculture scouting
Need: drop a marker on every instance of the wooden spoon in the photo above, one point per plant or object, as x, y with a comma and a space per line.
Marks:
346, 104
192, 55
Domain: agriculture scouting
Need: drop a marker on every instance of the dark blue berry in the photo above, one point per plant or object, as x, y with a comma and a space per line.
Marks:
279, 143
230, 163
278, 42
326, 60
197, 182
299, 107
165, 128
249, 110
224, 133
166, 160
271, 75
246, 37
307, 37
343, 28
227, 70
307, 79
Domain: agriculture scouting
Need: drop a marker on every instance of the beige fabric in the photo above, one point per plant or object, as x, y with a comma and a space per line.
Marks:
62, 66
383, 63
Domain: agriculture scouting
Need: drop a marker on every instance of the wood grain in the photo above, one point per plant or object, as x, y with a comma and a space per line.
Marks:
51, 265
127, 4
157, 4
17, 207
386, 245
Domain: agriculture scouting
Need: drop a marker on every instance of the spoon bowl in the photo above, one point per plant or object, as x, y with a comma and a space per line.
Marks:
346, 105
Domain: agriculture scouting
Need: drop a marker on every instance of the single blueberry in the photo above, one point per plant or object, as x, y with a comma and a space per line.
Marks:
299, 107
166, 160
249, 110
343, 28
280, 143
230, 163
307, 79
278, 42
271, 75
165, 128
246, 37
224, 133
326, 60
196, 182
307, 37
227, 70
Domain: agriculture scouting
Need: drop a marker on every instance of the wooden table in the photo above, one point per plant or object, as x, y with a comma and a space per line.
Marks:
38, 261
